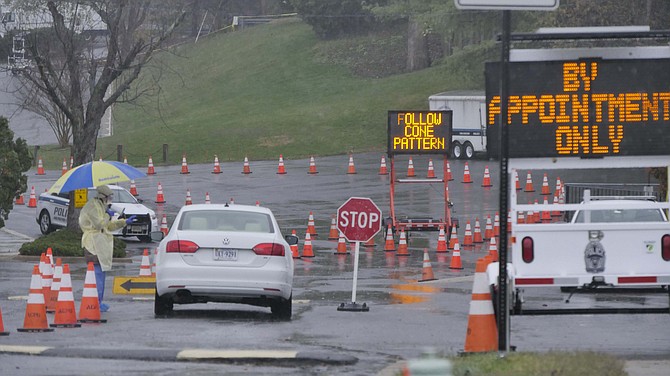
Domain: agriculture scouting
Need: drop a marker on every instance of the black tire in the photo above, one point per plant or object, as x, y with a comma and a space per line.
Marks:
162, 305
45, 222
469, 150
456, 150
282, 310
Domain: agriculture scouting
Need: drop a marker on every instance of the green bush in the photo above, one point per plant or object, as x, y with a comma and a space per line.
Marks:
65, 243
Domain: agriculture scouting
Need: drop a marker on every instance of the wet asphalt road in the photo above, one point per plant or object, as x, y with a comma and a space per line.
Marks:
405, 316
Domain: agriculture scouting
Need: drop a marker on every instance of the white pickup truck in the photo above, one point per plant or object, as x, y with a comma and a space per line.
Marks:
610, 241
51, 213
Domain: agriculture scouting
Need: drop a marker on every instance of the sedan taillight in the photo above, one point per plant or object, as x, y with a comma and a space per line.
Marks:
269, 249
181, 246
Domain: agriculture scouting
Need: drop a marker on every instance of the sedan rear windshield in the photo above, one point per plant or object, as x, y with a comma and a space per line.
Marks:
621, 215
225, 220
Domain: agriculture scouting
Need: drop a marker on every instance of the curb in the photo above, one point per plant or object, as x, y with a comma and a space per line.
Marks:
189, 355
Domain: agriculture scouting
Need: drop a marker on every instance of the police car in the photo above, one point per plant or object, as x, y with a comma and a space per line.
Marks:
51, 212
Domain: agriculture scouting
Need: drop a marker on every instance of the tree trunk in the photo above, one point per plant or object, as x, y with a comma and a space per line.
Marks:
417, 48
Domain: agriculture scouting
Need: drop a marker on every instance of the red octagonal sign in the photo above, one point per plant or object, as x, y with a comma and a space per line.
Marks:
359, 219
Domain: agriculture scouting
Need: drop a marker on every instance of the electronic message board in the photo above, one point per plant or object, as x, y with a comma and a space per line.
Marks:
586, 108
419, 132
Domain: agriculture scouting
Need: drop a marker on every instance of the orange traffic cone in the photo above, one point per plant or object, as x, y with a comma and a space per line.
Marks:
488, 230
521, 219
453, 239
389, 245
32, 201
467, 236
159, 194
427, 270
487, 178
310, 225
47, 281
529, 183
370, 243
153, 263
351, 169
431, 170
312, 166
35, 319
410, 168
281, 170
150, 167
477, 237
449, 176
2, 326
64, 168
40, 167
307, 250
456, 257
559, 184
164, 226
217, 166
441, 240
333, 234
89, 309
66, 316
207, 200
246, 169
19, 200
556, 213
184, 165
133, 188
545, 216
50, 257
189, 200
493, 249
55, 286
341, 245
402, 244
517, 184
466, 174
482, 333
294, 247
145, 266
72, 160
536, 214
382, 167
125, 160
496, 225
545, 186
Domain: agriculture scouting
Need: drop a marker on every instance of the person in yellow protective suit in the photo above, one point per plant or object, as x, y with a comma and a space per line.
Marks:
97, 220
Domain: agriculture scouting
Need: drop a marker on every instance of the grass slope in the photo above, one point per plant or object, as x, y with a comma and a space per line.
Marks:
267, 91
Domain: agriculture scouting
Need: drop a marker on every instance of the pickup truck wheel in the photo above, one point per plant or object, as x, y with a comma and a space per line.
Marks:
456, 150
45, 222
469, 150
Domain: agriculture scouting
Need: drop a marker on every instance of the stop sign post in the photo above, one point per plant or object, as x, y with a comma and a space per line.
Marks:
359, 220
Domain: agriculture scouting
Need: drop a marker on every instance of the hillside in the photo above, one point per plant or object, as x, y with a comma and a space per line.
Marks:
270, 90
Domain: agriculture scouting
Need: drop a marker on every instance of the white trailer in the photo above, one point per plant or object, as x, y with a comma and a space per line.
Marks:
469, 120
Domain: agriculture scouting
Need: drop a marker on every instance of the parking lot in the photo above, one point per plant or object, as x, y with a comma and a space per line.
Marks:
405, 316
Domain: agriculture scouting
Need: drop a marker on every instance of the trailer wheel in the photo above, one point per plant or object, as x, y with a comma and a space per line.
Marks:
469, 150
457, 150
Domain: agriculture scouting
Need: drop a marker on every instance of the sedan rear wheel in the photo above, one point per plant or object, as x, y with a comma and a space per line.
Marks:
162, 305
283, 309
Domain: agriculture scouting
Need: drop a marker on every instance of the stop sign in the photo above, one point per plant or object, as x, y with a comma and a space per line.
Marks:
359, 219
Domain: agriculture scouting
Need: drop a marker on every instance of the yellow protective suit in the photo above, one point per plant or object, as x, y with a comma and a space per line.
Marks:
97, 226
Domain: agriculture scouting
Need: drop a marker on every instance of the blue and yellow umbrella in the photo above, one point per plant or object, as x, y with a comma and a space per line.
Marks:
94, 174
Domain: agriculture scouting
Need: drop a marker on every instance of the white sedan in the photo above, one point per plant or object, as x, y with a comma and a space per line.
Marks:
225, 253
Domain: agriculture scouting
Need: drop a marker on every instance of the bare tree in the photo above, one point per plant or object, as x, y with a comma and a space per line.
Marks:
83, 82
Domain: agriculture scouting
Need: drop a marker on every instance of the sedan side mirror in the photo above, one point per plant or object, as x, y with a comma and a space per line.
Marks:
291, 239
156, 236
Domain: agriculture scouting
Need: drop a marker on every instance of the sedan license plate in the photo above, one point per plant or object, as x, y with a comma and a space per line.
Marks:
221, 254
